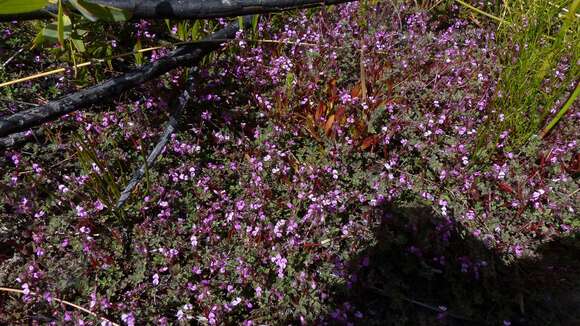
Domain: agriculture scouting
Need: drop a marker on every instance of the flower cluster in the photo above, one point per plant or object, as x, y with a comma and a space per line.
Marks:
289, 181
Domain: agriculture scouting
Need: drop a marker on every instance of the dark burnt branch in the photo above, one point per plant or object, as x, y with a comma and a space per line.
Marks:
188, 54
169, 129
19, 138
191, 9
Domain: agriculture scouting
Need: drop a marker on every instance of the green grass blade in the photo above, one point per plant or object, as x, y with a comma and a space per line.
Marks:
479, 11
562, 111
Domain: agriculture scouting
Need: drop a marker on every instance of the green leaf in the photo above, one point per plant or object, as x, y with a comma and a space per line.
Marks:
79, 44
241, 23
60, 24
38, 39
50, 32
376, 115
181, 32
255, 20
94, 12
8, 7
290, 77
195, 30
138, 55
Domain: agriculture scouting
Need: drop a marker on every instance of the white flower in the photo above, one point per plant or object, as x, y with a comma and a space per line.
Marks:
236, 301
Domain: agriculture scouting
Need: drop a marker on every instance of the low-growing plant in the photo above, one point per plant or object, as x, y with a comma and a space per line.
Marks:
324, 173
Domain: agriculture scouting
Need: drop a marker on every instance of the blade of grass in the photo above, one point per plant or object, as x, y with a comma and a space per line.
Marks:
479, 11
562, 111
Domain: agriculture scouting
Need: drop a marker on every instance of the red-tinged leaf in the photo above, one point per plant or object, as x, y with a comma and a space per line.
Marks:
328, 125
355, 92
361, 127
542, 161
311, 127
368, 142
505, 187
340, 115
94, 262
310, 244
340, 112
574, 166
389, 88
320, 111
332, 92
534, 227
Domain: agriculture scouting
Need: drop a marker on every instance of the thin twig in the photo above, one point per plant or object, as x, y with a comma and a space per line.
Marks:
18, 101
424, 305
12, 57
5, 289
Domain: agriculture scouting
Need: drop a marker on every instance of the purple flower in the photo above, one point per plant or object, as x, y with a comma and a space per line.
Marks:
240, 205
25, 288
155, 279
128, 318
281, 263
47, 296
206, 115
518, 250
99, 206
81, 212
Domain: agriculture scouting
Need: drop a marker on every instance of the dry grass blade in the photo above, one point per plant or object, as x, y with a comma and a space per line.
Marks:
70, 304
80, 65
479, 11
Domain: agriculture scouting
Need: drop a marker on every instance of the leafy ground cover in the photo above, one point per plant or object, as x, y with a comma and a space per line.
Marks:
326, 172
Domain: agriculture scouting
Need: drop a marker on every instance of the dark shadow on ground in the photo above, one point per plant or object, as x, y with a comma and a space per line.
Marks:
403, 279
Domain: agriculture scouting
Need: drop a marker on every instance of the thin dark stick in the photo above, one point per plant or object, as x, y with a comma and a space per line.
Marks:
12, 57
424, 305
